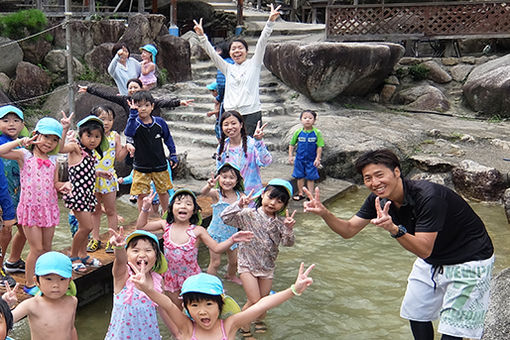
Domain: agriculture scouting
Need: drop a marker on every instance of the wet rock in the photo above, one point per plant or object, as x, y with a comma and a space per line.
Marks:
31, 81
460, 72
423, 97
436, 73
141, 30
35, 51
174, 56
100, 57
323, 71
479, 182
496, 325
10, 55
487, 86
5, 82
107, 31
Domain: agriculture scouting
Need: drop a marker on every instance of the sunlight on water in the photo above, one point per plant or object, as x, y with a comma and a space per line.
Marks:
358, 283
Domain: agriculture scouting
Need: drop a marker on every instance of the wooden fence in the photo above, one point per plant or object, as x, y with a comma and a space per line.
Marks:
418, 21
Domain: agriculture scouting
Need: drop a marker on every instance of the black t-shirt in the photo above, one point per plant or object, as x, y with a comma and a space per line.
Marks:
430, 207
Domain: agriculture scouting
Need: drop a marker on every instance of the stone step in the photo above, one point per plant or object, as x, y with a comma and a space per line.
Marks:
207, 97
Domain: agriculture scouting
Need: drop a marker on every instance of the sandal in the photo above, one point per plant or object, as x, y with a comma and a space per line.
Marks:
260, 327
93, 245
94, 263
78, 267
245, 334
298, 197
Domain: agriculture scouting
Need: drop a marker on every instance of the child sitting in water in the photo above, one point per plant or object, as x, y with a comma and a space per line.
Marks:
205, 304
50, 315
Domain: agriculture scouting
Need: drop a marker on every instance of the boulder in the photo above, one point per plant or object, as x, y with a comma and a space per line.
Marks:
323, 71
107, 31
436, 73
506, 203
141, 30
10, 55
432, 164
56, 63
58, 101
449, 61
460, 72
387, 92
487, 86
496, 325
31, 81
4, 99
423, 97
478, 181
34, 51
174, 56
100, 57
5, 82
439, 178
197, 52
81, 38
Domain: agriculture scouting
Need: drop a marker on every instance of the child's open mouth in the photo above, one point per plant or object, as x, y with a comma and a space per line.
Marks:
139, 263
205, 321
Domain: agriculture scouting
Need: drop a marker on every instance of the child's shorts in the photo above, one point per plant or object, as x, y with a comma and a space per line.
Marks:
142, 182
305, 169
460, 299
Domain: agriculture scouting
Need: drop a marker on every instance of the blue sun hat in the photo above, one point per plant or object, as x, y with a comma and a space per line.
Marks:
184, 191
104, 145
238, 173
209, 284
277, 182
163, 266
54, 262
4, 110
152, 50
49, 126
212, 86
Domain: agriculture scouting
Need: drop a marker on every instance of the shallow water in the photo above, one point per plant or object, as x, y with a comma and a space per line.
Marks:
358, 283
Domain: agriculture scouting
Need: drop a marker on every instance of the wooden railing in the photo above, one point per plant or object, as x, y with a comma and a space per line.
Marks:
427, 21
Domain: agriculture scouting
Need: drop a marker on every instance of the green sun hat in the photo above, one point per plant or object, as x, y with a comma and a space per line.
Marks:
104, 145
192, 194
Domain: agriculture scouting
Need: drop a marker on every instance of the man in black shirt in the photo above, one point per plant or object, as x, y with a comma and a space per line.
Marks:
450, 279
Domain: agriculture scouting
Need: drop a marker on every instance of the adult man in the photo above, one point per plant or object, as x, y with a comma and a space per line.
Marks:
451, 277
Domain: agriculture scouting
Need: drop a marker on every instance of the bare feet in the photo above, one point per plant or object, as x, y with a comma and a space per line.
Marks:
234, 279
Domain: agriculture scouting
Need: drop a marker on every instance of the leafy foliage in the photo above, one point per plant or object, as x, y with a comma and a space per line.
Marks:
23, 23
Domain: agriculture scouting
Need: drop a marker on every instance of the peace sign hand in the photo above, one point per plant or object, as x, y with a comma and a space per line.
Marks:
289, 220
274, 13
147, 200
139, 278
211, 182
259, 131
66, 121
27, 141
132, 104
383, 219
314, 204
245, 200
302, 280
117, 238
199, 29
10, 294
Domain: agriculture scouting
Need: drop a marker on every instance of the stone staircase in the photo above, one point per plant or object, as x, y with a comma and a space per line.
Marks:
193, 131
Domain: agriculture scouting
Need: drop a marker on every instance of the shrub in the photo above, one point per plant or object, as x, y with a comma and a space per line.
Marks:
23, 23
418, 72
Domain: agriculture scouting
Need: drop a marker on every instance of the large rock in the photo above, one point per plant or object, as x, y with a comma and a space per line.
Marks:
323, 71
56, 63
506, 203
81, 38
35, 51
107, 31
479, 182
487, 86
5, 82
100, 57
10, 55
496, 325
174, 56
460, 72
436, 73
31, 81
142, 29
423, 97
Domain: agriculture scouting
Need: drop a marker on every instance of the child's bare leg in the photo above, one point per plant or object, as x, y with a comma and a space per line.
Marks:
96, 217
252, 291
300, 185
18, 242
214, 262
47, 238
35, 241
163, 200
110, 209
232, 267
265, 288
310, 185
79, 245
5, 238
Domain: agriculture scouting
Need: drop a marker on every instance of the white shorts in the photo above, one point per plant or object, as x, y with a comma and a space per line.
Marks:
460, 299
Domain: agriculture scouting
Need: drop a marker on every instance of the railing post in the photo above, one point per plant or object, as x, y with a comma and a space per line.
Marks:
173, 29
38, 4
141, 6
69, 55
92, 6
239, 26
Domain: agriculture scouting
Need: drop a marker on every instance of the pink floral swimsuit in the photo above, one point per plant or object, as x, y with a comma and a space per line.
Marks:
181, 258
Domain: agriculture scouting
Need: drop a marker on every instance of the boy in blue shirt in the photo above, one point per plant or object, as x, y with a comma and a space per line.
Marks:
308, 154
145, 137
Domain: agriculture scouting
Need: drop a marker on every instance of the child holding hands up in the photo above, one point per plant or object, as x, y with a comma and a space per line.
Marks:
205, 304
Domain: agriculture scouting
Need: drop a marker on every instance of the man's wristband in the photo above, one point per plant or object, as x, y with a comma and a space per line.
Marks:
294, 291
118, 247
401, 231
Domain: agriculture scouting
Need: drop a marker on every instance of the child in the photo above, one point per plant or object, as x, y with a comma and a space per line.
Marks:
230, 186
38, 211
216, 111
182, 234
148, 76
206, 305
256, 259
146, 135
106, 188
6, 320
308, 154
11, 125
82, 177
51, 315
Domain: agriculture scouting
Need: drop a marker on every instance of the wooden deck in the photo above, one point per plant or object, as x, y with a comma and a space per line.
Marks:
97, 282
